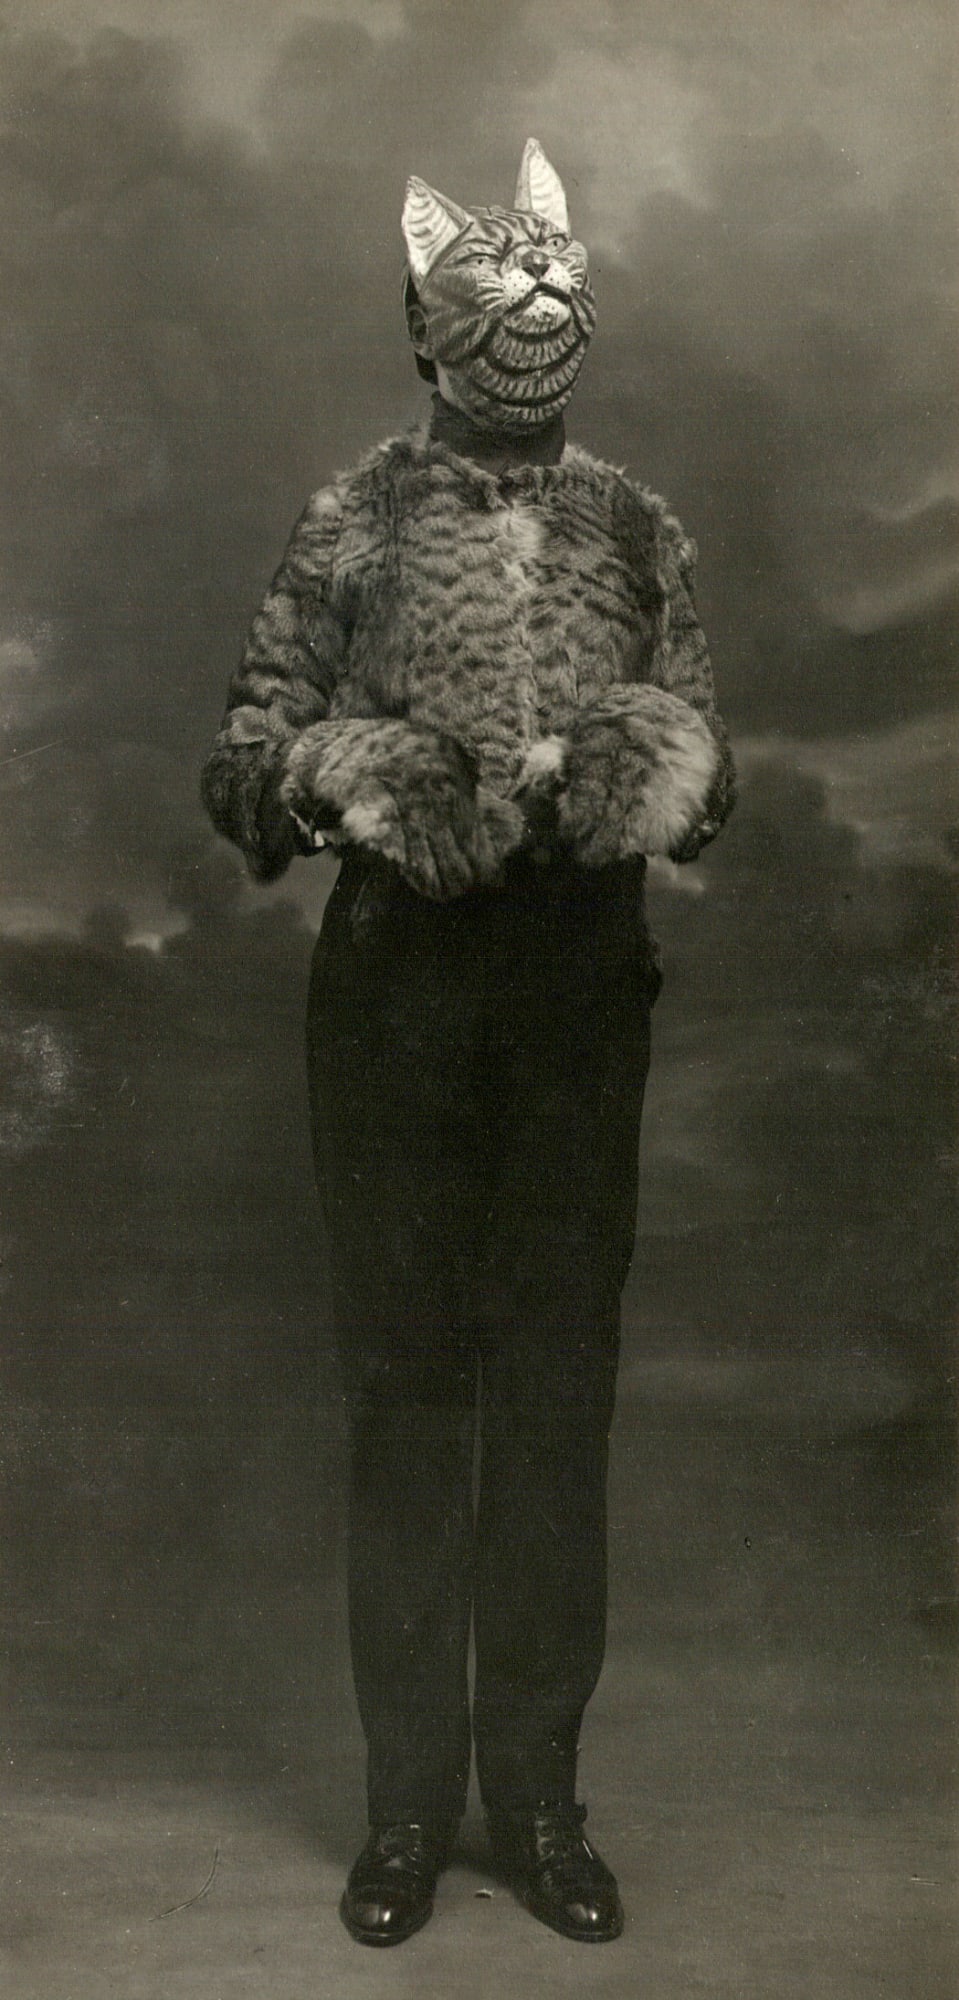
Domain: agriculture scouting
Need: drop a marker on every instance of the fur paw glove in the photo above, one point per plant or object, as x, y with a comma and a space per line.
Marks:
632, 776
409, 794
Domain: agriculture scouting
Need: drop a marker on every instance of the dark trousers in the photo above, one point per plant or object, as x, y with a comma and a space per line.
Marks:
476, 1073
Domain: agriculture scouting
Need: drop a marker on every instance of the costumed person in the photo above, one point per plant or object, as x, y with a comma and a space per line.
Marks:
479, 673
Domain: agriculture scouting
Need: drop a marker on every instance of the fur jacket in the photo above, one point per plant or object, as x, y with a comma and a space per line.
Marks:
453, 662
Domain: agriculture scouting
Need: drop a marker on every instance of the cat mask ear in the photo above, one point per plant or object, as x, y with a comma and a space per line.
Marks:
539, 189
430, 224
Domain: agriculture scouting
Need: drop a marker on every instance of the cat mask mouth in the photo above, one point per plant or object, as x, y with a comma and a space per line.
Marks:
499, 298
543, 290
546, 307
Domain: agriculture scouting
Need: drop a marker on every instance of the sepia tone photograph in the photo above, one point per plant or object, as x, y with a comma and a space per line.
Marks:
478, 999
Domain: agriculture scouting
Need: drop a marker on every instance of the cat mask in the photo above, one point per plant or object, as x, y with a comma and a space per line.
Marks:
499, 298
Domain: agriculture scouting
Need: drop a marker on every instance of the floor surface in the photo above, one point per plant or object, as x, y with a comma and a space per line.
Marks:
766, 1761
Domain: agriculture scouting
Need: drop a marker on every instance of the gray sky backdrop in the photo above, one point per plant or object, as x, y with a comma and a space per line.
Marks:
199, 320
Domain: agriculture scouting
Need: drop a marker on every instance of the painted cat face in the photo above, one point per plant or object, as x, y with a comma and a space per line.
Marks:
500, 298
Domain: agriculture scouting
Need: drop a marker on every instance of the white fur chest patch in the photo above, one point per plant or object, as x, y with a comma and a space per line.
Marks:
520, 536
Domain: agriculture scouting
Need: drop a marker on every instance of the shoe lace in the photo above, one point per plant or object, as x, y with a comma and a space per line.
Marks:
405, 1846
561, 1845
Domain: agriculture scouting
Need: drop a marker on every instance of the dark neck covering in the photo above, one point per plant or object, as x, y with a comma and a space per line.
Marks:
495, 451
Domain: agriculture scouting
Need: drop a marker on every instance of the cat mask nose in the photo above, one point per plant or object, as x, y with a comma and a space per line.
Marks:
536, 262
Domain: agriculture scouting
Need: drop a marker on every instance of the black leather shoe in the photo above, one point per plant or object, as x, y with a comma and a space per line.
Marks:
550, 1864
389, 1890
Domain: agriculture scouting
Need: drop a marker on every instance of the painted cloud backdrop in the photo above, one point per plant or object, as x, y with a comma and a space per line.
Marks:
200, 319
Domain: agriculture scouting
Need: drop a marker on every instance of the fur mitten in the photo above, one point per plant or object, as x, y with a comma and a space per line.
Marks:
632, 776
410, 794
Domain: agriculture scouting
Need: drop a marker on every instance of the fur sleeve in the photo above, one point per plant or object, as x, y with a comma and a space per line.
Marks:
645, 767
289, 669
406, 792
634, 774
680, 666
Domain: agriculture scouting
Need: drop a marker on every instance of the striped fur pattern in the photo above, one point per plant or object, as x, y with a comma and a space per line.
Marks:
501, 299
637, 770
482, 616
408, 794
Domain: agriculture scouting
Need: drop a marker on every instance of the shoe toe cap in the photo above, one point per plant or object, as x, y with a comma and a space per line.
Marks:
374, 1913
596, 1916
384, 1918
